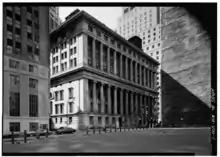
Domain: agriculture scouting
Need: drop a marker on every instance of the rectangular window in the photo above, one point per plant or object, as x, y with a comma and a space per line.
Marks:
61, 108
62, 56
14, 64
33, 105
74, 40
62, 67
29, 22
33, 126
14, 126
61, 95
36, 13
29, 35
61, 120
91, 120
71, 52
98, 33
31, 68
9, 13
29, 49
14, 101
71, 63
18, 31
74, 50
106, 37
70, 107
56, 109
90, 28
70, 120
55, 120
33, 83
100, 120
75, 63
9, 42
14, 80
70, 92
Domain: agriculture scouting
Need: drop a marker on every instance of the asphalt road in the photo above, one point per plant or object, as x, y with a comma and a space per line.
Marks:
146, 141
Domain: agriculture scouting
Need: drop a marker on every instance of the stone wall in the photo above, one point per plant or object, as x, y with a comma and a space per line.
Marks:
186, 69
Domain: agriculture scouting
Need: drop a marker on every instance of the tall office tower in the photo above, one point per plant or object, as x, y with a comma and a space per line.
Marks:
55, 20
26, 68
97, 77
144, 22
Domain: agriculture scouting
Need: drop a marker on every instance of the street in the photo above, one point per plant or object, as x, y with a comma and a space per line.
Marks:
145, 141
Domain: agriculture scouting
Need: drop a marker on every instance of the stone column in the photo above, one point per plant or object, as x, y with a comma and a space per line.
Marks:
140, 74
135, 72
121, 59
131, 108
94, 53
131, 69
121, 103
101, 56
140, 106
102, 99
126, 68
115, 100
86, 95
126, 103
152, 79
109, 99
136, 105
144, 71
108, 59
95, 104
115, 62
149, 79
85, 49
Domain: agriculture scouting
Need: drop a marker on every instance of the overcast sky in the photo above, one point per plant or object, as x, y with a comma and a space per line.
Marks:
107, 15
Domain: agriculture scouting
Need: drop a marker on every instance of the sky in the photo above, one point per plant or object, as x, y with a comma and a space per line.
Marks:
107, 15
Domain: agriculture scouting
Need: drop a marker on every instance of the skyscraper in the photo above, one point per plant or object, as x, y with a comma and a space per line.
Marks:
26, 68
54, 20
145, 23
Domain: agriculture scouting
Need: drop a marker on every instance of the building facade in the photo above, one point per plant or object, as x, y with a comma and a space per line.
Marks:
26, 68
99, 78
55, 19
144, 22
186, 70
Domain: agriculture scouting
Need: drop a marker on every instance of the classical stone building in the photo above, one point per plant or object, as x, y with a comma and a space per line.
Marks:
97, 77
26, 68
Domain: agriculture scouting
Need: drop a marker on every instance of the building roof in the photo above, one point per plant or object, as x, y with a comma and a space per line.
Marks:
104, 27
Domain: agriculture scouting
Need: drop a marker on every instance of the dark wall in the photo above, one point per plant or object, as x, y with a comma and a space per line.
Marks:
186, 70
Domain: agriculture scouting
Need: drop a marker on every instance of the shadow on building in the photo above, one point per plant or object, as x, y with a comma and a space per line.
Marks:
180, 107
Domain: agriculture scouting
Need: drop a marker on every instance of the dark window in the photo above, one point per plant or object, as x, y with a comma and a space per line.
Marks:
14, 126
36, 13
36, 25
70, 107
157, 52
71, 63
29, 22
33, 105
112, 41
75, 63
74, 50
18, 31
106, 37
70, 120
91, 120
9, 13
9, 28
33, 83
61, 95
152, 46
118, 45
71, 52
61, 120
74, 40
9, 42
99, 33
29, 49
124, 48
61, 108
29, 9
29, 35
18, 45
56, 109
17, 17
33, 126
55, 120
14, 101
70, 92
158, 44
90, 28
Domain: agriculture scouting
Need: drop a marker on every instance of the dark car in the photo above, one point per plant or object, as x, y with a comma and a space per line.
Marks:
65, 130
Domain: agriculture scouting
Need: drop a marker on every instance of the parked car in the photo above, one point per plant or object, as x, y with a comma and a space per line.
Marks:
65, 130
